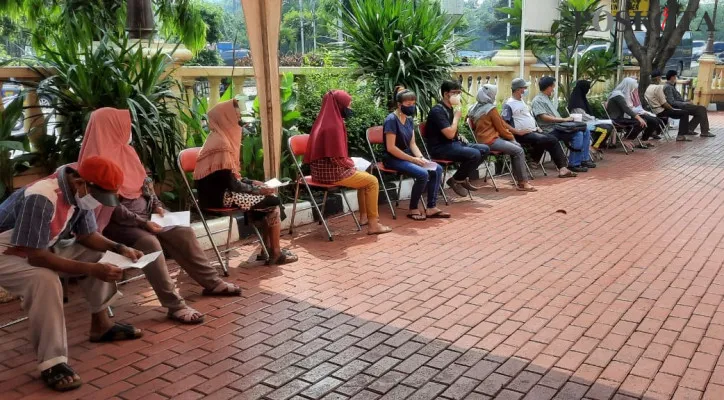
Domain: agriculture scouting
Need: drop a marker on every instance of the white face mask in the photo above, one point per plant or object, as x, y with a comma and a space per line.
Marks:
456, 99
86, 202
525, 93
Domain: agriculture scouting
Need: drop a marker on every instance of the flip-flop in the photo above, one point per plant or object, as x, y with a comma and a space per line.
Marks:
440, 214
223, 289
569, 174
118, 332
184, 316
382, 232
53, 376
526, 189
416, 217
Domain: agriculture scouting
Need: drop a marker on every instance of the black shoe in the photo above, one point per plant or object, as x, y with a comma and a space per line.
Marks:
588, 164
656, 137
708, 134
457, 187
692, 133
579, 168
683, 139
469, 186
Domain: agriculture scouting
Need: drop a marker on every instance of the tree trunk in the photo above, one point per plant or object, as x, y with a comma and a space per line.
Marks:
644, 79
139, 19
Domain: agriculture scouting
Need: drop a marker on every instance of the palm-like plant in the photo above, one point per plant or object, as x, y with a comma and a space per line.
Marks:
9, 116
401, 43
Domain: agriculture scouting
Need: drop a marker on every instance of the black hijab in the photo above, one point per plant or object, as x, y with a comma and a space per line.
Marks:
578, 96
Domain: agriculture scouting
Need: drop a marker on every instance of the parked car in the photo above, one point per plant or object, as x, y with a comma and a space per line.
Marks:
680, 61
230, 55
19, 123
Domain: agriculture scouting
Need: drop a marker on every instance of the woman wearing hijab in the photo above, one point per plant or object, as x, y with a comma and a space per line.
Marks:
490, 129
220, 184
403, 155
328, 156
578, 104
108, 135
624, 107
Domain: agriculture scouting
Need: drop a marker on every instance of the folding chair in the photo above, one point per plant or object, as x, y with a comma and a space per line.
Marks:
620, 131
187, 164
297, 147
444, 163
376, 136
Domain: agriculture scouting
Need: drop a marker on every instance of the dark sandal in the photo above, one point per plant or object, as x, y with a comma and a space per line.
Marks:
118, 332
416, 217
287, 257
440, 214
227, 289
55, 374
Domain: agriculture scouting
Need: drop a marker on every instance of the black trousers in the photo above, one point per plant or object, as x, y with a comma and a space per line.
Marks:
699, 117
681, 115
541, 142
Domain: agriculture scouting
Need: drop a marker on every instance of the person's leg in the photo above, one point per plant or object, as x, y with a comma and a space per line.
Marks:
700, 118
691, 109
419, 174
468, 157
683, 117
586, 149
158, 276
535, 142
652, 127
433, 186
517, 156
576, 141
368, 190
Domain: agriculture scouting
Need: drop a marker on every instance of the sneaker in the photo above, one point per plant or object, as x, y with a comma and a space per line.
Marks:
683, 139
579, 168
588, 164
469, 186
457, 187
708, 134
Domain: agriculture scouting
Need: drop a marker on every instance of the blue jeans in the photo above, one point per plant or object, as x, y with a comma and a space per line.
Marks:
581, 144
470, 156
422, 177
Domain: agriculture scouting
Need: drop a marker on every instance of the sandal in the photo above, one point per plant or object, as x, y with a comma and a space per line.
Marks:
569, 174
53, 378
186, 315
287, 257
118, 332
416, 217
440, 214
223, 289
526, 188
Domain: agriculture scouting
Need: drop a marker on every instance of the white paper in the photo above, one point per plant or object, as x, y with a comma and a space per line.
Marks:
275, 183
360, 164
181, 218
429, 165
126, 263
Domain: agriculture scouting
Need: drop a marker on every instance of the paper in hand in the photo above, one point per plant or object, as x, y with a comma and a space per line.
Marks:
360, 164
429, 165
275, 183
182, 218
125, 263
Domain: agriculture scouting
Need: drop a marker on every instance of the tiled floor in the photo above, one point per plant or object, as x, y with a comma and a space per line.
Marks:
618, 296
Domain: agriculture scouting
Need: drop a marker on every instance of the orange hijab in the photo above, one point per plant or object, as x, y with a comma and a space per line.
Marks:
223, 145
107, 135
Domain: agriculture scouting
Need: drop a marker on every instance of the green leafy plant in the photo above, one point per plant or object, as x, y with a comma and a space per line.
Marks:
401, 43
196, 121
8, 118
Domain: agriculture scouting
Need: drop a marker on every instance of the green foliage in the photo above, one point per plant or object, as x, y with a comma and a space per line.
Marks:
597, 66
196, 121
111, 73
401, 43
8, 118
213, 17
206, 57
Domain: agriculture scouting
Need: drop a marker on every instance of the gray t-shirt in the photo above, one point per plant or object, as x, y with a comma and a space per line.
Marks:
542, 104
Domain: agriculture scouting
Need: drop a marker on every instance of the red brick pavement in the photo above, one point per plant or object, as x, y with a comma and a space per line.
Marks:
620, 297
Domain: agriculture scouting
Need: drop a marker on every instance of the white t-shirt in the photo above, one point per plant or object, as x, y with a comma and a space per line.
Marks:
522, 118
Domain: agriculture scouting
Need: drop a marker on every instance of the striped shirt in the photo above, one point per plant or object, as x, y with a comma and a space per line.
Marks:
43, 213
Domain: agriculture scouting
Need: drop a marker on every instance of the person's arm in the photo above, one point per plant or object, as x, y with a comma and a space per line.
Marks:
452, 129
661, 97
586, 116
44, 258
86, 232
156, 204
390, 138
500, 125
553, 119
621, 104
123, 216
414, 149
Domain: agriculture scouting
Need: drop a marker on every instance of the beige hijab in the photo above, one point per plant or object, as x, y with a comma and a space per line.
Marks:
223, 146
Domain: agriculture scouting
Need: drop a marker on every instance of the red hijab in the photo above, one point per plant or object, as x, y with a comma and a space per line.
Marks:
328, 137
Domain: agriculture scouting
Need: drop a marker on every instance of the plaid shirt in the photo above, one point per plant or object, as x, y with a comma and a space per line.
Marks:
332, 170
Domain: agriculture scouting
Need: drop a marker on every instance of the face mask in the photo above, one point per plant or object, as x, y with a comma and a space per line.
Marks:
456, 99
525, 93
86, 202
130, 139
347, 113
410, 111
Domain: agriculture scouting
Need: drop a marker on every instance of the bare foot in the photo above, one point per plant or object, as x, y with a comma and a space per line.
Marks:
377, 229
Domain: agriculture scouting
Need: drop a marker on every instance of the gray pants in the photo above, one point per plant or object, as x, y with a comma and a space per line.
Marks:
42, 296
517, 155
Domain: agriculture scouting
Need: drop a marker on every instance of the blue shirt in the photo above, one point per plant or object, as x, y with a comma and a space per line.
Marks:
403, 132
42, 213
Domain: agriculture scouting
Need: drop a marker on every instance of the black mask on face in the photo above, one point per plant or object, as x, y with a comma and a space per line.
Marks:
347, 112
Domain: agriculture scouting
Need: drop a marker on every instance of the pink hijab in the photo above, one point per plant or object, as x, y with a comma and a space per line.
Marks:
108, 135
223, 145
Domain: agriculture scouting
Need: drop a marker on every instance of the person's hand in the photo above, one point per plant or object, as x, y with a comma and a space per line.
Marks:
106, 272
152, 227
568, 119
267, 190
642, 122
419, 161
258, 183
130, 252
458, 113
160, 211
463, 139
529, 130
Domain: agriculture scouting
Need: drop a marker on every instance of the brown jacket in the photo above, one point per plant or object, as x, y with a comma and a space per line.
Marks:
490, 127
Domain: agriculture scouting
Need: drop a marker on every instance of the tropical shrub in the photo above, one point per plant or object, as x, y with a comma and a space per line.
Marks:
401, 43
8, 118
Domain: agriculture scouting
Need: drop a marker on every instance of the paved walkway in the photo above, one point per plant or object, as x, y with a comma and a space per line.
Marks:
618, 296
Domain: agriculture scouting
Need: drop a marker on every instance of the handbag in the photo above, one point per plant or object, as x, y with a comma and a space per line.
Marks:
571, 127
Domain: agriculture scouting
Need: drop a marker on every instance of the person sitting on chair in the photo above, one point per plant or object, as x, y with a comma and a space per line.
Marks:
49, 230
444, 141
656, 98
676, 100
491, 130
108, 135
403, 155
547, 115
624, 108
578, 104
521, 123
328, 157
220, 184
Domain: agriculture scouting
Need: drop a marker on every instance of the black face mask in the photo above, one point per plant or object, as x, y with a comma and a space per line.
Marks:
347, 113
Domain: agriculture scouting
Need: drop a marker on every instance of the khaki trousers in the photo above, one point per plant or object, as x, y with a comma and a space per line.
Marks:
368, 190
42, 299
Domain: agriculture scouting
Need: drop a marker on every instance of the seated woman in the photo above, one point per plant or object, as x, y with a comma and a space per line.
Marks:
108, 135
490, 127
328, 156
403, 155
578, 104
220, 185
624, 108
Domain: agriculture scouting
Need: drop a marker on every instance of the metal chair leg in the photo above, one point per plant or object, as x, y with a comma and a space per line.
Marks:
324, 205
346, 201
399, 190
442, 185
489, 173
228, 246
387, 195
316, 207
261, 240
294, 208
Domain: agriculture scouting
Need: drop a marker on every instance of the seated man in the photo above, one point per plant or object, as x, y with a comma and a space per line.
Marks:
444, 142
547, 116
49, 229
656, 98
522, 124
676, 100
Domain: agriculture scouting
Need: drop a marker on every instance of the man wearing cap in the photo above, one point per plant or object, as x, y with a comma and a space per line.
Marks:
547, 116
522, 124
656, 98
48, 230
676, 100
